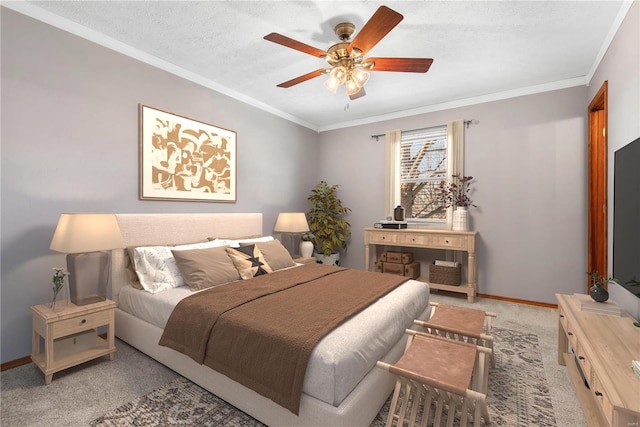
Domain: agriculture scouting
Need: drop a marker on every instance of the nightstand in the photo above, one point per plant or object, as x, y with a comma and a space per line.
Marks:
301, 260
71, 335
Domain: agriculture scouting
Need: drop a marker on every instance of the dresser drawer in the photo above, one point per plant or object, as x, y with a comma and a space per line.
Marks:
381, 238
602, 398
81, 323
563, 318
585, 364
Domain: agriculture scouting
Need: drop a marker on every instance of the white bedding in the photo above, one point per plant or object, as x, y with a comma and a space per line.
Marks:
343, 357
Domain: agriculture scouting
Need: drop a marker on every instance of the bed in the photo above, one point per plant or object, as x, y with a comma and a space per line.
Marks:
342, 387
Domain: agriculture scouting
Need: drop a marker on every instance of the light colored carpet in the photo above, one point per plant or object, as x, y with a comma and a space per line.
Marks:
81, 394
518, 395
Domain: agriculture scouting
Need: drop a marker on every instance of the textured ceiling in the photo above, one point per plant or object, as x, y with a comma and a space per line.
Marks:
481, 49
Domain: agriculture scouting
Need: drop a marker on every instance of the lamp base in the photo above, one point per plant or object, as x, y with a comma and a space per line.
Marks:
291, 242
88, 277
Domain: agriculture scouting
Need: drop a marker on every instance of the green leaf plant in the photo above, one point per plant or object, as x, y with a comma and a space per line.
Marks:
330, 230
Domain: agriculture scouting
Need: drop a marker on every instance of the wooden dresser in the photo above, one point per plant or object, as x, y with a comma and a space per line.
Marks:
597, 350
427, 238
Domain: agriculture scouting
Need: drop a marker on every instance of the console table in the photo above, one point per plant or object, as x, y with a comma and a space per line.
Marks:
427, 238
597, 350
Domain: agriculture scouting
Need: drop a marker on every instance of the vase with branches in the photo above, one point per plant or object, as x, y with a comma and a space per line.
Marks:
58, 285
456, 192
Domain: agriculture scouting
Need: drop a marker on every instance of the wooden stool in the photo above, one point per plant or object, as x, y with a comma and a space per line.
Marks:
461, 323
436, 373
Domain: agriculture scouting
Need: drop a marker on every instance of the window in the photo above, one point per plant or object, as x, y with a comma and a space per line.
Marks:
423, 165
416, 162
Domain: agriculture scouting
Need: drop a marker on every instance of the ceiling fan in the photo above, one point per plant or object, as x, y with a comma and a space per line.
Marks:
346, 58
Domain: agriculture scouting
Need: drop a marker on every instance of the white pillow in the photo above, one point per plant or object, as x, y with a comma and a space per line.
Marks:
157, 269
236, 243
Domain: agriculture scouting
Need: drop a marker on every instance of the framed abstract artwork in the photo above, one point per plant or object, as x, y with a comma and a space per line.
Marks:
185, 159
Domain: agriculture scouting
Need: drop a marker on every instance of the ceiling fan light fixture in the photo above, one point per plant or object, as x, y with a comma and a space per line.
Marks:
361, 77
352, 87
332, 84
340, 74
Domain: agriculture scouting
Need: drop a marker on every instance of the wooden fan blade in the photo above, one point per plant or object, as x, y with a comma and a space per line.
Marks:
303, 78
383, 21
294, 44
357, 95
406, 65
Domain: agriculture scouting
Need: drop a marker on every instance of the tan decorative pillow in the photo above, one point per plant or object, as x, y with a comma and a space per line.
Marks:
276, 255
249, 261
205, 268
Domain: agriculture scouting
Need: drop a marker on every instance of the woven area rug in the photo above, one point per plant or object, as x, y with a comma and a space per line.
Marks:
518, 395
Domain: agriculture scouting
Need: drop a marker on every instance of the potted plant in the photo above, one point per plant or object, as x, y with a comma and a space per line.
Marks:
598, 292
330, 230
456, 194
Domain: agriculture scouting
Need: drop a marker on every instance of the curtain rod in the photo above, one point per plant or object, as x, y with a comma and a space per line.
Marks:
466, 122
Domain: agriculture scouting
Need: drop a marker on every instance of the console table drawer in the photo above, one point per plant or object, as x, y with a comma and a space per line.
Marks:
434, 241
381, 238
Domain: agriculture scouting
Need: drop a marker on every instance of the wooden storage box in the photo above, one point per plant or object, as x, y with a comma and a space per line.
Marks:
410, 270
379, 267
445, 275
397, 257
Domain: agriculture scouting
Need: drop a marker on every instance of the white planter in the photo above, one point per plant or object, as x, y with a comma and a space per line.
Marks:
333, 259
461, 219
306, 249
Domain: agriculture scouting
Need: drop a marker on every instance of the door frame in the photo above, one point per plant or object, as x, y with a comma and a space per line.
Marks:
597, 187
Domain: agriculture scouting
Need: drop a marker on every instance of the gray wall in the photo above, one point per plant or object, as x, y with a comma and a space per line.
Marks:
620, 67
70, 144
528, 158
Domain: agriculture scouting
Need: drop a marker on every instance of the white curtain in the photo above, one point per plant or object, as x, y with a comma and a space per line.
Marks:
392, 140
455, 155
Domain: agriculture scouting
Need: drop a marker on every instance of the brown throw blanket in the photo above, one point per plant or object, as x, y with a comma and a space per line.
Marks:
261, 332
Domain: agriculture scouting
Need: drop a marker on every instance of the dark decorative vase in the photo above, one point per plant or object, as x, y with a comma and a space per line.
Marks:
599, 294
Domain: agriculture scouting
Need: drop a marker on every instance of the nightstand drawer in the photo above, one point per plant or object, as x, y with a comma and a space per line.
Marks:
81, 323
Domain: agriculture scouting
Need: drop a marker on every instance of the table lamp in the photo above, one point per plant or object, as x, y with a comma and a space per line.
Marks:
85, 237
291, 224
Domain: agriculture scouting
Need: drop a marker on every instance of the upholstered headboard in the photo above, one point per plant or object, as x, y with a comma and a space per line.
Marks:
175, 229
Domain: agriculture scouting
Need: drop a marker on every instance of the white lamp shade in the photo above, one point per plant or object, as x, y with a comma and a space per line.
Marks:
291, 222
86, 232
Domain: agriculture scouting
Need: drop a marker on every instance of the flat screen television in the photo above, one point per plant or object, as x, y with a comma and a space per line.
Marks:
626, 217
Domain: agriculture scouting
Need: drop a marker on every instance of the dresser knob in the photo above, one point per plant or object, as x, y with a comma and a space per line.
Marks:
562, 315
597, 393
83, 321
581, 357
570, 333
